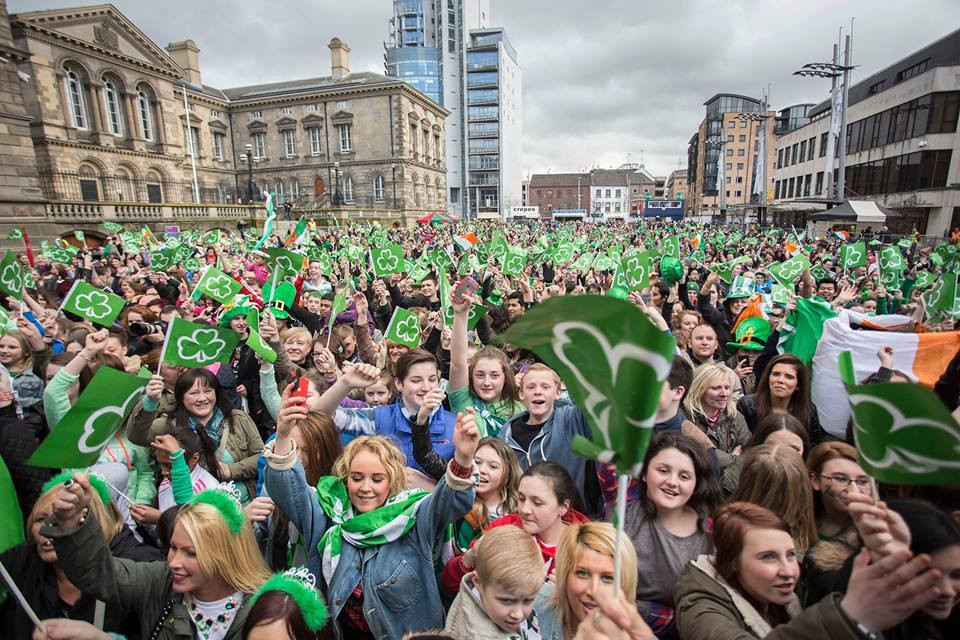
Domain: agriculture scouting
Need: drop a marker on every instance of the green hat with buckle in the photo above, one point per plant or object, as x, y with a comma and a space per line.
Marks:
741, 287
279, 300
751, 334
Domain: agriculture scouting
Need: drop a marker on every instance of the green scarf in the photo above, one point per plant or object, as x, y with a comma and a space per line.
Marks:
381, 526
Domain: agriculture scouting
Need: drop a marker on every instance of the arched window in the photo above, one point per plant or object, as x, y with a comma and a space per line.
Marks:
126, 190
111, 100
154, 184
144, 115
347, 189
378, 188
89, 183
319, 187
77, 108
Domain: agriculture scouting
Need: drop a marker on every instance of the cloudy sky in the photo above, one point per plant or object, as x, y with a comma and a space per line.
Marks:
603, 81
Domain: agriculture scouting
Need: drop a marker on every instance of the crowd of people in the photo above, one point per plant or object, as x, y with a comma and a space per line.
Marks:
430, 490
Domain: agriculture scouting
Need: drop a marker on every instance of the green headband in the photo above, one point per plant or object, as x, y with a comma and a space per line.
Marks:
96, 482
300, 585
226, 503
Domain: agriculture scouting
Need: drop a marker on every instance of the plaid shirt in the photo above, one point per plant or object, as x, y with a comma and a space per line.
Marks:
352, 612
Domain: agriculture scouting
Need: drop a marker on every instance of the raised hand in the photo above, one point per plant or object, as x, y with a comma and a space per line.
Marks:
259, 509
165, 442
154, 388
95, 342
465, 438
360, 375
431, 401
71, 499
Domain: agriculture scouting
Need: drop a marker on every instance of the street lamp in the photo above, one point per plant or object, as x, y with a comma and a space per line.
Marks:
248, 156
337, 198
393, 171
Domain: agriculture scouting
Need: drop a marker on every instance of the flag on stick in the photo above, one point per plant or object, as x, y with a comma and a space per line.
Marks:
196, 345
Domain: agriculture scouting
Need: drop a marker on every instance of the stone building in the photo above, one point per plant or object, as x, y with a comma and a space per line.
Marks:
111, 132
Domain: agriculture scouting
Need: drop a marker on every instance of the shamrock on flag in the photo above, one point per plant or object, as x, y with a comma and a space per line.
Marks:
670, 246
725, 269
323, 260
11, 276
603, 262
387, 260
787, 272
161, 260
780, 294
93, 304
211, 237
514, 261
853, 255
404, 328
924, 279
904, 433
217, 285
15, 234
583, 262
476, 312
442, 259
614, 362
113, 227
633, 271
289, 263
197, 345
891, 259
941, 298
563, 253
421, 268
99, 412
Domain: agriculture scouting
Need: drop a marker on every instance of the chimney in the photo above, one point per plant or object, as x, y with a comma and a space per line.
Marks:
185, 55
339, 58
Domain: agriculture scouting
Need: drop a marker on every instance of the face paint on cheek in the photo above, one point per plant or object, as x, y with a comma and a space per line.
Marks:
828, 491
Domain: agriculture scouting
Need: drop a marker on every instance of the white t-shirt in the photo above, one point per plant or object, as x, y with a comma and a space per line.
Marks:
200, 478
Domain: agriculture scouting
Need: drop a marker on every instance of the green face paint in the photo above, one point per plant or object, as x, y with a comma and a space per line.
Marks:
828, 491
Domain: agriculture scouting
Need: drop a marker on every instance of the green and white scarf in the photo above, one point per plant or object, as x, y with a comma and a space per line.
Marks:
381, 526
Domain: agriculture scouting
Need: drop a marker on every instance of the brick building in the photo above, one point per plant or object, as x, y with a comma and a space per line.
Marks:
563, 191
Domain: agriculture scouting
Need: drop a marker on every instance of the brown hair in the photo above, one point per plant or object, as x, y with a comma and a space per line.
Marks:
322, 437
773, 476
730, 526
146, 313
509, 481
821, 455
779, 422
411, 358
799, 405
510, 390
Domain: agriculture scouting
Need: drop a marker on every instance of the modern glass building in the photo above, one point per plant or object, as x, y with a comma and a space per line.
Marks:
412, 53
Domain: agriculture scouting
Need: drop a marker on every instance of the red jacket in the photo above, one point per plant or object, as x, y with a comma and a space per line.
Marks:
454, 570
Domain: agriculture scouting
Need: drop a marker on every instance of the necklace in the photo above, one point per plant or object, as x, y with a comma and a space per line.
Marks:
213, 623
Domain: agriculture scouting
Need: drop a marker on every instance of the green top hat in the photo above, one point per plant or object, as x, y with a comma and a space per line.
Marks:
495, 298
671, 270
230, 313
617, 292
741, 287
279, 300
751, 334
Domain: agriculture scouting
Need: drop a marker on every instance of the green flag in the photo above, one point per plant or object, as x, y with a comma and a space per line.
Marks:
15, 234
404, 328
93, 304
780, 294
787, 272
421, 268
387, 260
670, 246
11, 276
196, 345
290, 263
161, 260
633, 271
477, 311
442, 259
514, 261
113, 227
255, 342
924, 279
211, 237
339, 304
11, 520
217, 285
725, 269
803, 327
891, 279
904, 433
891, 259
819, 272
942, 298
583, 262
853, 255
603, 262
78, 235
613, 361
323, 260
563, 253
99, 412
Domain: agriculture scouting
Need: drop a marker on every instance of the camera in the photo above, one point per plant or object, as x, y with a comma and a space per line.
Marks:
141, 329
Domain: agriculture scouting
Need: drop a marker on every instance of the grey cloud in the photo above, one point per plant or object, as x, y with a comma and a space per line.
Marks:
601, 80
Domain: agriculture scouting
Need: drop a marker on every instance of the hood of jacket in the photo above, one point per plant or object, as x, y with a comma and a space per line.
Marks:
832, 553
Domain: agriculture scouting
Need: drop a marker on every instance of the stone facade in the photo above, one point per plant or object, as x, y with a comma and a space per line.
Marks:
101, 123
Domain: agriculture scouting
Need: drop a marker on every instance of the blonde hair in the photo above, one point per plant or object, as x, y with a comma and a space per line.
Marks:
705, 376
26, 352
775, 477
390, 457
235, 558
296, 332
599, 537
107, 515
541, 368
509, 557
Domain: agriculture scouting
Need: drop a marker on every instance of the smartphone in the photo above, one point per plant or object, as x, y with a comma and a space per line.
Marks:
744, 361
300, 387
466, 287
442, 387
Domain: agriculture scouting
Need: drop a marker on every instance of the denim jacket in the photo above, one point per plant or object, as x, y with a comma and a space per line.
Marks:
400, 591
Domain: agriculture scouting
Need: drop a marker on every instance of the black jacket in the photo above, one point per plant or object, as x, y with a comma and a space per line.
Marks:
747, 406
17, 444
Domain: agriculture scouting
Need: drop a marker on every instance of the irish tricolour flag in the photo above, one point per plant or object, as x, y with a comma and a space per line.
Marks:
922, 356
466, 241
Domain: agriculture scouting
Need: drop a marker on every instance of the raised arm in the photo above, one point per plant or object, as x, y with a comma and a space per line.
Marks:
458, 344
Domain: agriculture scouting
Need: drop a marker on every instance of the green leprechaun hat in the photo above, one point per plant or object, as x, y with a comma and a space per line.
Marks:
751, 334
671, 270
279, 300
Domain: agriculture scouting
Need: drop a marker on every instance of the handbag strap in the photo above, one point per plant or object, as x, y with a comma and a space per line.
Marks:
158, 627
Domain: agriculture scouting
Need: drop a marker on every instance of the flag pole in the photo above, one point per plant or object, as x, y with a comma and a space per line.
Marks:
23, 601
623, 479
189, 142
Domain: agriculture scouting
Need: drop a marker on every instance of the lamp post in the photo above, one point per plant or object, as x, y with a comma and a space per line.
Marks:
393, 171
838, 102
760, 164
248, 156
719, 142
337, 198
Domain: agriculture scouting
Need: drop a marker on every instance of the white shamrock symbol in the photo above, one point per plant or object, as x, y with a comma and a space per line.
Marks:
790, 269
853, 255
564, 254
635, 272
284, 263
386, 261
614, 357
670, 250
888, 278
12, 277
514, 264
83, 444
891, 259
218, 286
934, 295
94, 304
200, 346
408, 329
894, 455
